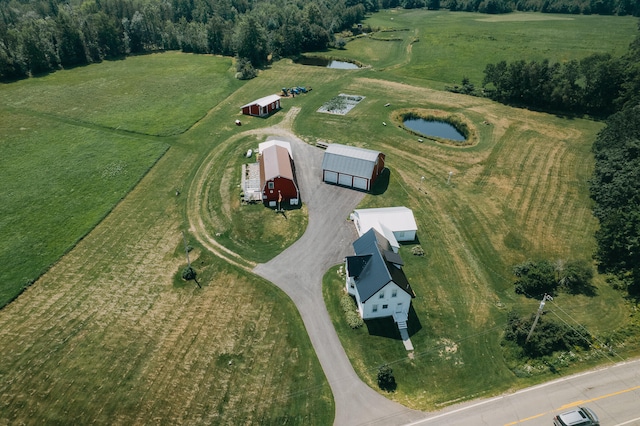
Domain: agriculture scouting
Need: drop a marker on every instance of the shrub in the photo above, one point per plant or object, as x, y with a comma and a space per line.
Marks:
353, 318
535, 278
548, 336
188, 273
245, 71
386, 379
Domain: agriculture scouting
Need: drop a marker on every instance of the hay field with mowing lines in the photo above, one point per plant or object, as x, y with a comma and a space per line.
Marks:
111, 334
520, 193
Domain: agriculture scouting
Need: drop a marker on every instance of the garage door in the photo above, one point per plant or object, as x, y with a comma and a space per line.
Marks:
346, 180
360, 183
331, 177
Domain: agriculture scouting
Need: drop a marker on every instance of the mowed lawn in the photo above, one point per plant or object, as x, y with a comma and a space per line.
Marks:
520, 193
110, 333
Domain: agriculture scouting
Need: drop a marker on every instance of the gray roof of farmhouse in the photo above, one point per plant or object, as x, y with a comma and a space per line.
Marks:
375, 265
350, 160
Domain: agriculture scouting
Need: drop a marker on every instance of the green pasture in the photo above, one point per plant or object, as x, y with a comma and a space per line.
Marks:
75, 142
109, 334
92, 158
443, 47
58, 182
161, 96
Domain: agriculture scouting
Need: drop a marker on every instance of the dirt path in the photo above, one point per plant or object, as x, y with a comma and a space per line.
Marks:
299, 270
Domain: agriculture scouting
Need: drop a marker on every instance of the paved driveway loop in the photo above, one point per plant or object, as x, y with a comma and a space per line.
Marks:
298, 271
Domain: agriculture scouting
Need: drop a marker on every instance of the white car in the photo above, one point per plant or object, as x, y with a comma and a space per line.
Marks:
581, 416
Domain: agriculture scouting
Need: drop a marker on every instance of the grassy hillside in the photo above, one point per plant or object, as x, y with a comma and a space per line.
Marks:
520, 193
111, 334
443, 47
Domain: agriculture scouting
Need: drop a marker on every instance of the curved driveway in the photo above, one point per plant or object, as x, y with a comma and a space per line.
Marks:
299, 270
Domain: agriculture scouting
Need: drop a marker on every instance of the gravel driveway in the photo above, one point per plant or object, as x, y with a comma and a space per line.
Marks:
298, 271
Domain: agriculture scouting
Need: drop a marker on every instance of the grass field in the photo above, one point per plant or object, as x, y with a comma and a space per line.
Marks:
110, 334
520, 193
443, 47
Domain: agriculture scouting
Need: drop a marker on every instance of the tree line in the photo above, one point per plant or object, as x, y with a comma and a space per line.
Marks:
585, 7
42, 36
598, 85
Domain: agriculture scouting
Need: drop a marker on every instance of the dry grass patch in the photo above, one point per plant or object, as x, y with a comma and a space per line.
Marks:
105, 336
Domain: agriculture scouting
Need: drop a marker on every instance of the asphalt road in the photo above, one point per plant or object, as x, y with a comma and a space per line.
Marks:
612, 392
298, 271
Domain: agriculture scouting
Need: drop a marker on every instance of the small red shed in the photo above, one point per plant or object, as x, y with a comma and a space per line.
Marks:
277, 177
263, 106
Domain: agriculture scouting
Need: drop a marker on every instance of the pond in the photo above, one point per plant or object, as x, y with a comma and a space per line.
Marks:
327, 63
438, 129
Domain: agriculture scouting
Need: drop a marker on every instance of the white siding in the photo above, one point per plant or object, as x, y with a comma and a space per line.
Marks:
401, 296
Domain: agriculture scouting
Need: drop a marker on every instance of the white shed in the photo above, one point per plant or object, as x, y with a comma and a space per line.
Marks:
397, 224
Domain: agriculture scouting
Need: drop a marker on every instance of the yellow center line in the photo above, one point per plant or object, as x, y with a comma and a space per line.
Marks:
575, 404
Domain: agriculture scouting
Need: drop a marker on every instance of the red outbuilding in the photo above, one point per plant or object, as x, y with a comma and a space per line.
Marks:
263, 106
277, 177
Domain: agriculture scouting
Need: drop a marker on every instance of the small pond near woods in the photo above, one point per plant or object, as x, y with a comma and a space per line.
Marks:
328, 63
438, 129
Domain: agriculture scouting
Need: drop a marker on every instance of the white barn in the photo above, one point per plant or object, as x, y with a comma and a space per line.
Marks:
397, 224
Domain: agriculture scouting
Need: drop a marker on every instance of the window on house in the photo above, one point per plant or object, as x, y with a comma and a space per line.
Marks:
381, 295
394, 293
270, 185
374, 308
385, 306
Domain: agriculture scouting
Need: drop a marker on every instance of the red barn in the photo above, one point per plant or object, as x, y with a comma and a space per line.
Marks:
277, 176
263, 106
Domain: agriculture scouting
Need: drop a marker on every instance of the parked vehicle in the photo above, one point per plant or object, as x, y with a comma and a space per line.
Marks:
581, 416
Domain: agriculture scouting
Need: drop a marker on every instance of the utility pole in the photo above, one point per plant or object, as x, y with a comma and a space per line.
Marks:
540, 308
421, 182
449, 178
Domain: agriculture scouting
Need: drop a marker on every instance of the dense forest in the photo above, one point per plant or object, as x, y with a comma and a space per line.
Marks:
45, 35
615, 188
41, 36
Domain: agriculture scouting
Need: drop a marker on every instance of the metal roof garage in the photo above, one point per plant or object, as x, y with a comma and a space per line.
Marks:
351, 166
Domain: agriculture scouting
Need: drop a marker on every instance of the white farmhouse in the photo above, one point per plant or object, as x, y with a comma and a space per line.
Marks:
374, 276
